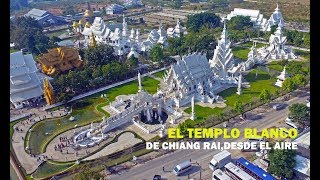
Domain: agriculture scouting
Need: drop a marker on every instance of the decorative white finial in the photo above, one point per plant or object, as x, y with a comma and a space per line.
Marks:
139, 81
193, 116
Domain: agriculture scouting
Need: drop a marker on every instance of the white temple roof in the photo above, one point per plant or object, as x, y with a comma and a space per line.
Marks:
133, 52
24, 80
192, 67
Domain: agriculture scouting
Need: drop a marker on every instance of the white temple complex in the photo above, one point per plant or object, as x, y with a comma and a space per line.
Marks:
122, 39
258, 20
283, 76
26, 83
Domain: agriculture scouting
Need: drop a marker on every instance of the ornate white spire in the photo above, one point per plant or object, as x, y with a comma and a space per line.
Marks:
224, 34
277, 9
132, 34
193, 116
239, 91
139, 81
138, 36
124, 26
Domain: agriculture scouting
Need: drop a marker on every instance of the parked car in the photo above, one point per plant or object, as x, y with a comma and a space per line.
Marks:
278, 106
156, 177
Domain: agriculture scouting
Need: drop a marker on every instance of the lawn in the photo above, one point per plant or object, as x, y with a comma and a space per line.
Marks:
56, 33
84, 114
263, 81
275, 66
303, 54
13, 50
48, 169
202, 113
160, 74
241, 51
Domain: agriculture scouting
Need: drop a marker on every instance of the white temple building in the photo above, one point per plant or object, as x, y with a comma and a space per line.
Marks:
133, 53
155, 37
283, 76
191, 76
258, 20
277, 46
222, 62
26, 83
253, 59
276, 19
176, 31
121, 38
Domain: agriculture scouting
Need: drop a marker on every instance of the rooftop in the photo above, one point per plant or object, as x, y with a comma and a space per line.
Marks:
255, 169
302, 165
304, 140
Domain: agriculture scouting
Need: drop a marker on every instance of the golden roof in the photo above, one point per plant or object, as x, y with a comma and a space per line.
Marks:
60, 59
75, 24
87, 25
88, 13
81, 21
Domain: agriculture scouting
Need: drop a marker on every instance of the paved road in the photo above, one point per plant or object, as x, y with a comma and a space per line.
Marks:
147, 170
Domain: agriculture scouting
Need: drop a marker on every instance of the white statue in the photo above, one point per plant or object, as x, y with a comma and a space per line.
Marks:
193, 117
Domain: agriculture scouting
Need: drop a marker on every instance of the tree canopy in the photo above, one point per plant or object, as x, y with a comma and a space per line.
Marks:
299, 113
100, 55
25, 32
239, 23
156, 53
282, 162
265, 95
196, 21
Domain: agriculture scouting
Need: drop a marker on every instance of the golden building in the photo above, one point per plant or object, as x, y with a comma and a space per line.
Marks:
60, 59
48, 92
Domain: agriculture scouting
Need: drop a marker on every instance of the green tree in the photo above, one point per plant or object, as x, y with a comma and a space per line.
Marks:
69, 10
299, 113
25, 32
282, 162
132, 62
239, 23
299, 80
288, 85
88, 174
184, 126
238, 107
177, 4
295, 68
156, 53
196, 21
100, 55
18, 4
265, 95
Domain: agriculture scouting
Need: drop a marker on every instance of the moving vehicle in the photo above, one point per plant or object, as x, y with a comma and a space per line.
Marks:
219, 160
236, 172
220, 175
156, 177
182, 167
292, 124
278, 106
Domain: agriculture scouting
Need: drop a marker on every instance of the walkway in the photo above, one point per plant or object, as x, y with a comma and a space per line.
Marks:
293, 47
125, 140
30, 164
103, 88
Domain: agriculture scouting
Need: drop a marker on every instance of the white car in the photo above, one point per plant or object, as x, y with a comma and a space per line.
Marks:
288, 119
